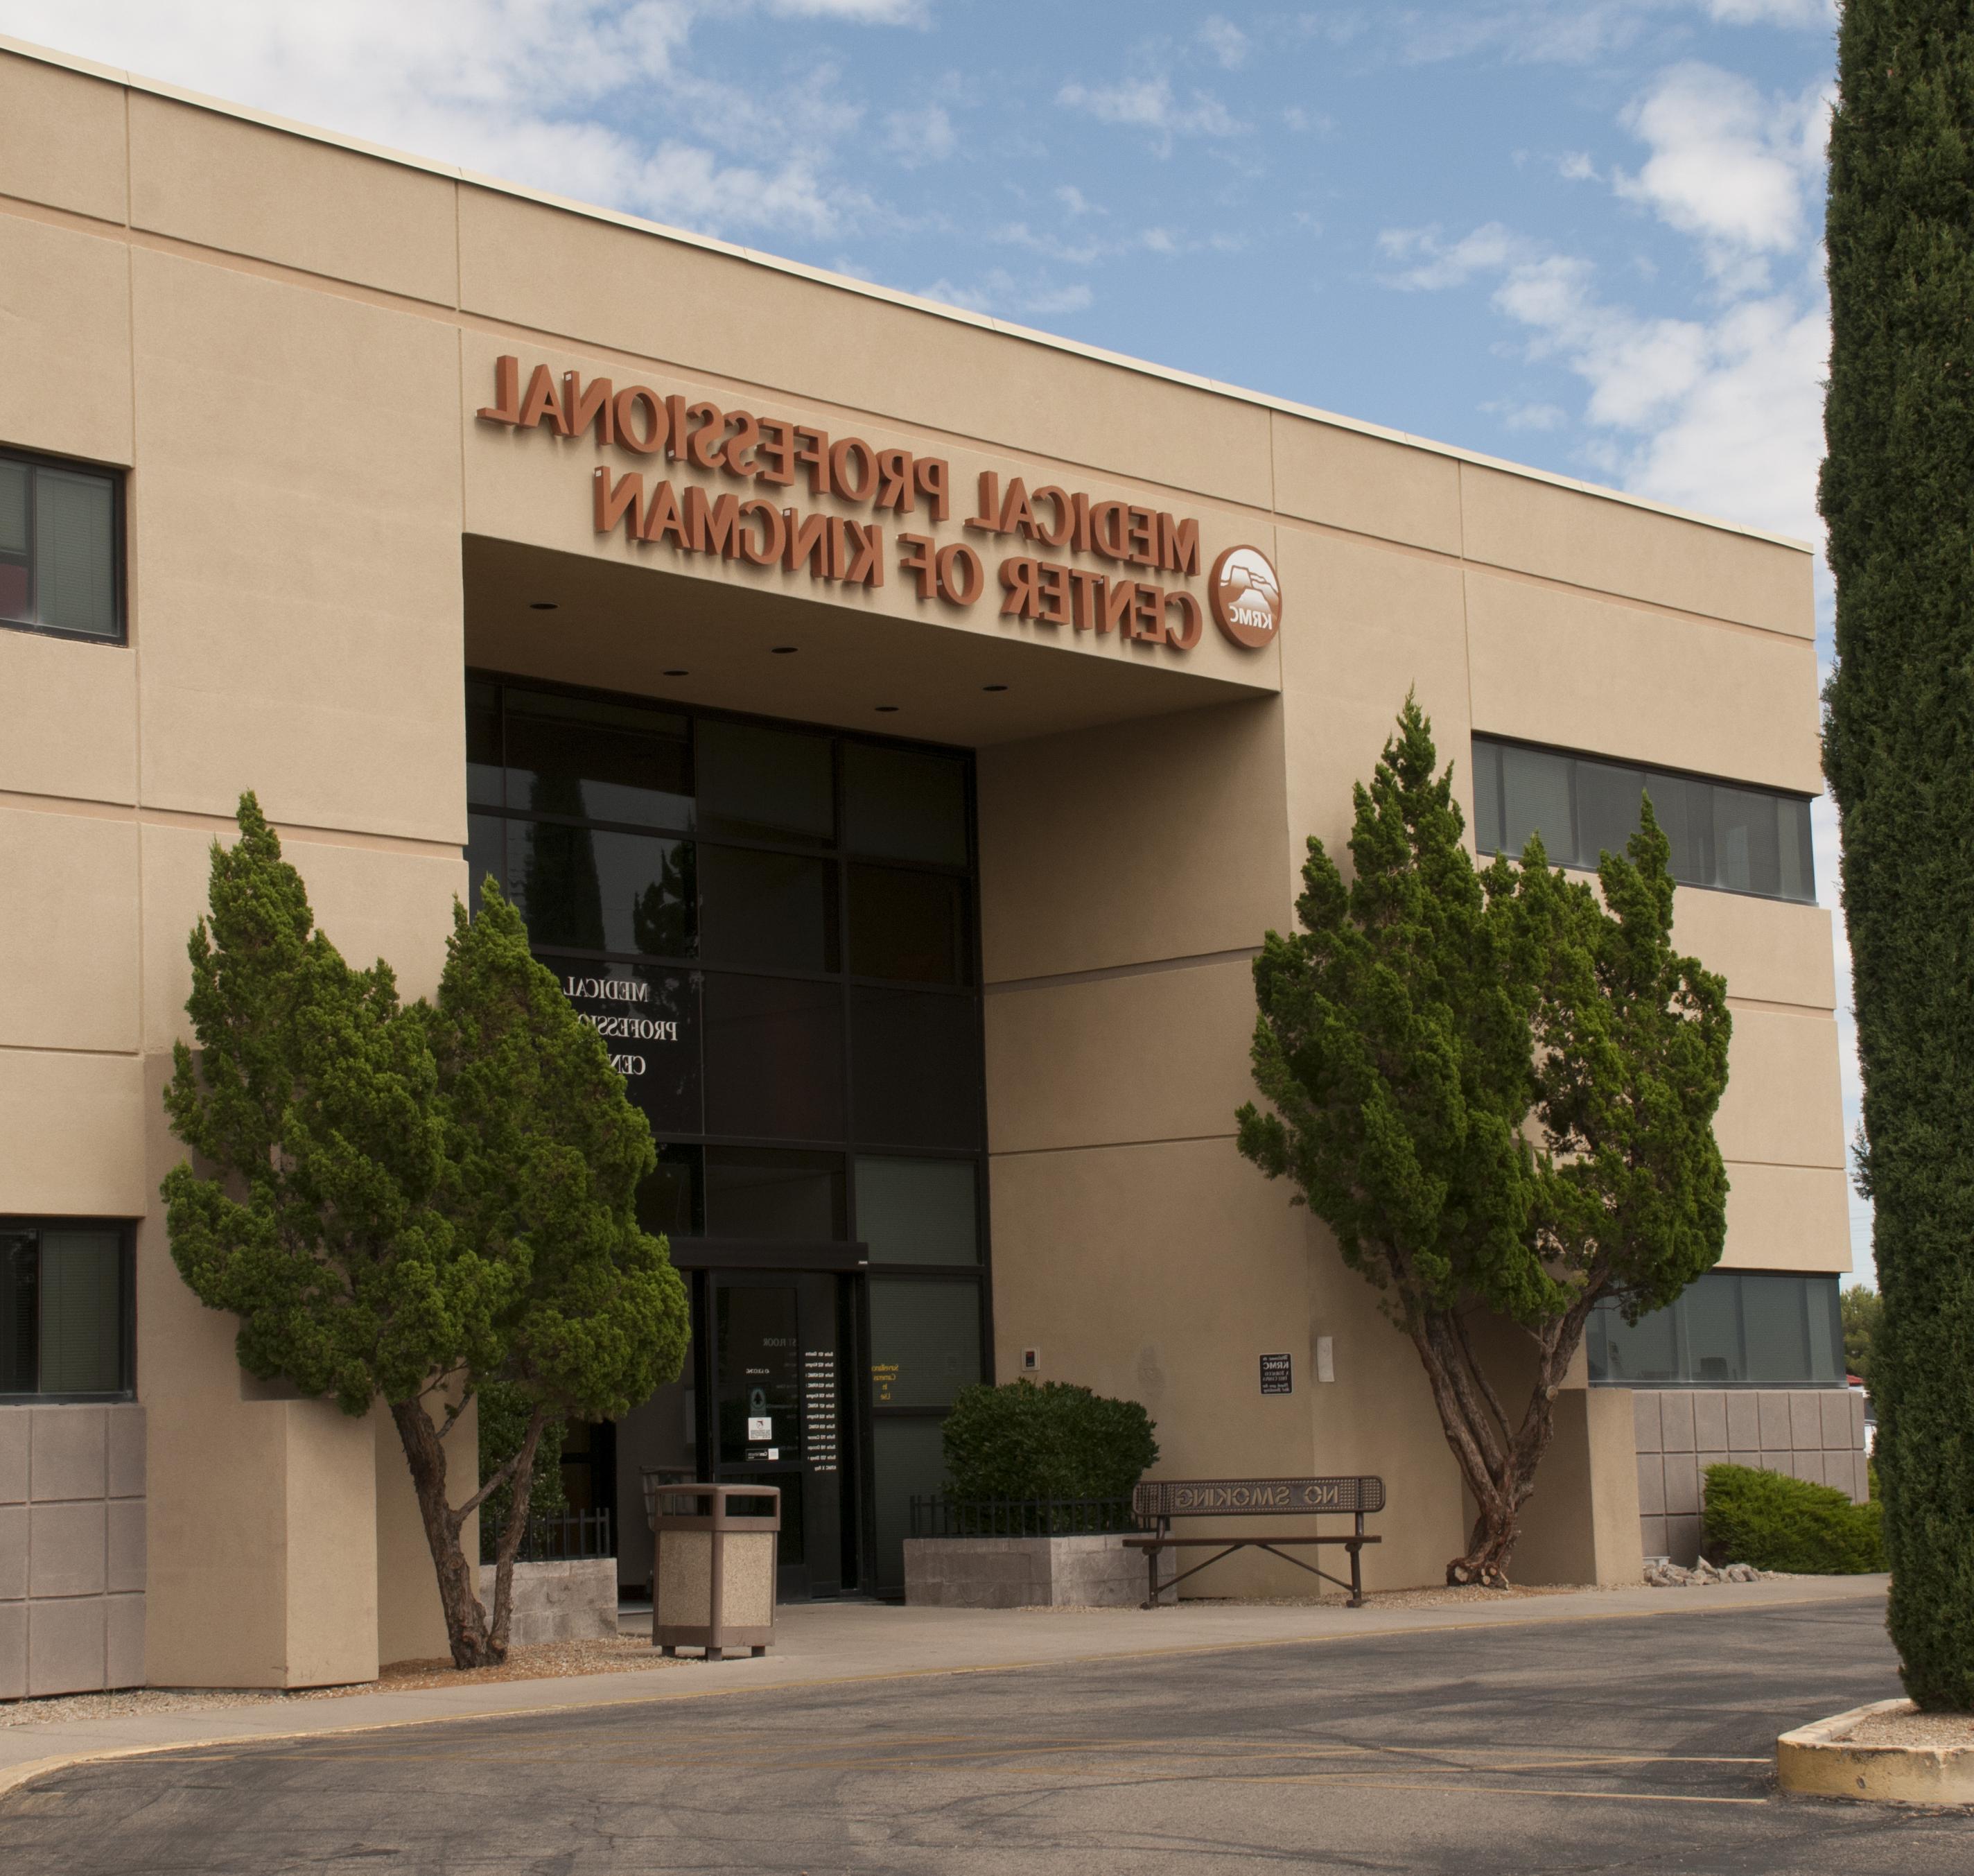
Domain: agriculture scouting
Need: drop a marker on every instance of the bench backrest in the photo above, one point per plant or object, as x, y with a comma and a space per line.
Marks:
1163, 1498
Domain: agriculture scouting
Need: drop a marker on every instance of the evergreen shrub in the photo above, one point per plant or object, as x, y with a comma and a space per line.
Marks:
1780, 1523
1051, 1441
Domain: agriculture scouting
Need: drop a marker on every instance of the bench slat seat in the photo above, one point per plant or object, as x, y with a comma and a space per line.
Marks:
1158, 1501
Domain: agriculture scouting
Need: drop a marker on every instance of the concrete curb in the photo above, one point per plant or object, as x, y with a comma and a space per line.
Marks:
1818, 1761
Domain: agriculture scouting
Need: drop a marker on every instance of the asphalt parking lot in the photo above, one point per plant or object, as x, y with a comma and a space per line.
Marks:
1634, 1744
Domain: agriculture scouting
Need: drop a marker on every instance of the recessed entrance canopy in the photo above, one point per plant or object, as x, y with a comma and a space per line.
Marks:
626, 629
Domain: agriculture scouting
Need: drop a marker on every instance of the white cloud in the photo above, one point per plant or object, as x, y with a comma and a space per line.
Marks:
1074, 202
584, 98
923, 135
1224, 40
1517, 416
1148, 104
1577, 167
1727, 164
1772, 12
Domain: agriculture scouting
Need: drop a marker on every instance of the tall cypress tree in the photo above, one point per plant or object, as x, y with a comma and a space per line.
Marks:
1898, 495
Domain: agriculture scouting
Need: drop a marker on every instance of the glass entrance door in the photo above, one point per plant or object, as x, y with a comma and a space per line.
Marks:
779, 1415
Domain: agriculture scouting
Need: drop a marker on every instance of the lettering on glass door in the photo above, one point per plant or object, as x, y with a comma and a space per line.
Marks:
819, 1437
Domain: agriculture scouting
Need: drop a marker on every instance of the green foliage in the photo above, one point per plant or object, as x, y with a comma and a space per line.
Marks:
1497, 1090
1789, 1524
1054, 1441
1898, 494
311, 1102
412, 1202
1863, 1310
505, 1412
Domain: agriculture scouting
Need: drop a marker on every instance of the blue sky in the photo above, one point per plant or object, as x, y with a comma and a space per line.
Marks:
1581, 235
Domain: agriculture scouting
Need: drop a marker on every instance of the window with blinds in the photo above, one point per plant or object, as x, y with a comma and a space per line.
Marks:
61, 548
65, 1311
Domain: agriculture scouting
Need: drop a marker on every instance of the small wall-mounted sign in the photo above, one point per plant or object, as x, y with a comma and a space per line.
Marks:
1326, 1359
1031, 1360
1277, 1377
760, 1426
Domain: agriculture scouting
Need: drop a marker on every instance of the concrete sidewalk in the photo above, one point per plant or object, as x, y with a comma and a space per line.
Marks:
821, 1643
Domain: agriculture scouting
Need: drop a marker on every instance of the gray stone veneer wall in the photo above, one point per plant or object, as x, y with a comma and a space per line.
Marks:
71, 1549
1810, 1433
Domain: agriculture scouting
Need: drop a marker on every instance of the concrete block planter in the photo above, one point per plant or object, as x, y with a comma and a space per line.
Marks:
1026, 1573
1823, 1761
568, 1600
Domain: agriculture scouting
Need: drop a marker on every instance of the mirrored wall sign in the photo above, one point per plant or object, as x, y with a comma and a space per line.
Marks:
649, 1021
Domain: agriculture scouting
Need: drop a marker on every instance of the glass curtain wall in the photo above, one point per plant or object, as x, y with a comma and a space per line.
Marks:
774, 930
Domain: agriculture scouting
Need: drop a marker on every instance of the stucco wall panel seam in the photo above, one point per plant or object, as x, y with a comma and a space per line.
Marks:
1108, 972
1779, 1010
1104, 1145
190, 817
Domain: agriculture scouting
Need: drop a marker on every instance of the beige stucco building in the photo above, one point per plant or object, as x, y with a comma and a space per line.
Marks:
946, 1042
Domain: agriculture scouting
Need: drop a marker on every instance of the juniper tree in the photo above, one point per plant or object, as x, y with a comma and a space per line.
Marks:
401, 1203
1497, 1092
1898, 496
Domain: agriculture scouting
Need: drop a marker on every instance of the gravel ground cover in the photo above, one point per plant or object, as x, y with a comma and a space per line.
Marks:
1913, 1729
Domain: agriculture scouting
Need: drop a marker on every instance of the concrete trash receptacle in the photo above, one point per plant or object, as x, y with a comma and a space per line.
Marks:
717, 1561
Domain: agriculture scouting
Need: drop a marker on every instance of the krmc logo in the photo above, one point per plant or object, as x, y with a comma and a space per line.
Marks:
1246, 598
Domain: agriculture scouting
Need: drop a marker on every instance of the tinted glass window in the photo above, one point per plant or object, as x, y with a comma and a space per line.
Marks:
486, 854
1720, 834
910, 1460
64, 1310
602, 762
20, 1312
1487, 797
1535, 795
58, 549
1730, 1329
917, 1061
902, 805
911, 927
14, 601
762, 784
918, 1211
754, 1192
484, 784
925, 1339
1608, 801
774, 1058
585, 888
770, 910
669, 1199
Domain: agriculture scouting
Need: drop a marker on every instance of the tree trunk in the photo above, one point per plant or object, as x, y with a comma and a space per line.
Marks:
465, 1620
1497, 1458
512, 1533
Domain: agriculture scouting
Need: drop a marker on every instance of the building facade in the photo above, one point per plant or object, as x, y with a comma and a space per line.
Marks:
899, 731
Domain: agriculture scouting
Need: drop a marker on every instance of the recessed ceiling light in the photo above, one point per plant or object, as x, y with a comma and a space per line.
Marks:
678, 673
993, 686
783, 651
887, 709
541, 605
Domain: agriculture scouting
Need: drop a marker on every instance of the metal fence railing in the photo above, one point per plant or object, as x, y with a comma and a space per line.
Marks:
940, 1517
555, 1537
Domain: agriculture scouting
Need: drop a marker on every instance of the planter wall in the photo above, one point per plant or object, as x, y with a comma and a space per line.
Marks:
1026, 1572
574, 1600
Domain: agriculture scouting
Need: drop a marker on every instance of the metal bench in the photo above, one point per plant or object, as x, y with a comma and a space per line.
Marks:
1157, 1502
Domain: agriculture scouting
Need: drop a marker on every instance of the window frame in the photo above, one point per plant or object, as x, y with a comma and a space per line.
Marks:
126, 1304
34, 462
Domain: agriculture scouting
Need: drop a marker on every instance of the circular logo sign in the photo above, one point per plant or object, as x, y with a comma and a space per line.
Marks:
1246, 597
